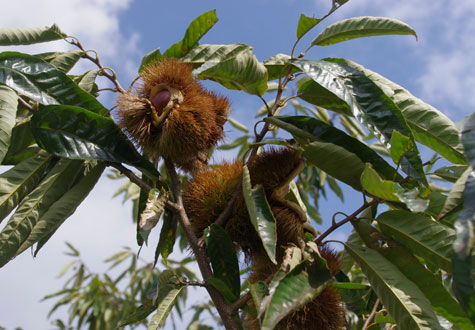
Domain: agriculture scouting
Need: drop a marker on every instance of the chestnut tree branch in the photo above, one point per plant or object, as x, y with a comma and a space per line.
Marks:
224, 310
371, 316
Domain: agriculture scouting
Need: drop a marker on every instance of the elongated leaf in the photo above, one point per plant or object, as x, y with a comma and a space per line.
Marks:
197, 29
242, 72
8, 106
373, 184
455, 200
332, 150
63, 208
63, 61
22, 143
261, 214
76, 133
305, 24
17, 182
468, 139
424, 237
166, 299
368, 103
314, 93
451, 173
462, 259
167, 237
214, 53
400, 145
358, 27
305, 282
429, 126
404, 301
43, 82
153, 211
276, 64
35, 205
87, 81
28, 36
223, 258
150, 58
444, 304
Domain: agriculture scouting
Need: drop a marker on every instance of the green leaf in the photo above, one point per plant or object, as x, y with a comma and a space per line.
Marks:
455, 200
373, 184
87, 81
429, 126
76, 133
167, 236
34, 206
295, 289
305, 24
223, 258
8, 107
462, 259
358, 27
195, 31
153, 211
28, 36
167, 296
20, 180
451, 173
150, 58
241, 72
424, 237
310, 91
238, 125
442, 302
400, 145
22, 144
368, 103
223, 288
332, 150
468, 139
43, 82
404, 301
63, 61
261, 214
276, 64
63, 208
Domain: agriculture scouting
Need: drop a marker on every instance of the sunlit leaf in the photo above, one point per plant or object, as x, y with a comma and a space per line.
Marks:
35, 205
332, 150
167, 296
261, 214
400, 145
28, 36
423, 236
76, 133
63, 61
368, 104
8, 107
451, 173
43, 82
150, 58
17, 182
376, 186
305, 24
429, 126
404, 301
293, 290
195, 31
358, 27
63, 208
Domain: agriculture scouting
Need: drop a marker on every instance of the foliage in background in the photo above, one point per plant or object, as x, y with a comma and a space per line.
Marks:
407, 262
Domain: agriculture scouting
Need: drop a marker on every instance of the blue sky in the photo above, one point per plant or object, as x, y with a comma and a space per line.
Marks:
437, 68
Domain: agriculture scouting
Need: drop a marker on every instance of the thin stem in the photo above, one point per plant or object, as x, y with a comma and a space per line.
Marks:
371, 316
223, 217
227, 316
26, 105
95, 59
352, 216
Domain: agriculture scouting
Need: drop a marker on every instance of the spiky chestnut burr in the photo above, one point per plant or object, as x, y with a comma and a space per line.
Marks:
326, 311
171, 115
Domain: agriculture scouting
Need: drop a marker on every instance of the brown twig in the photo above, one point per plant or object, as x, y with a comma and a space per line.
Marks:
26, 105
371, 316
224, 310
346, 220
105, 71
